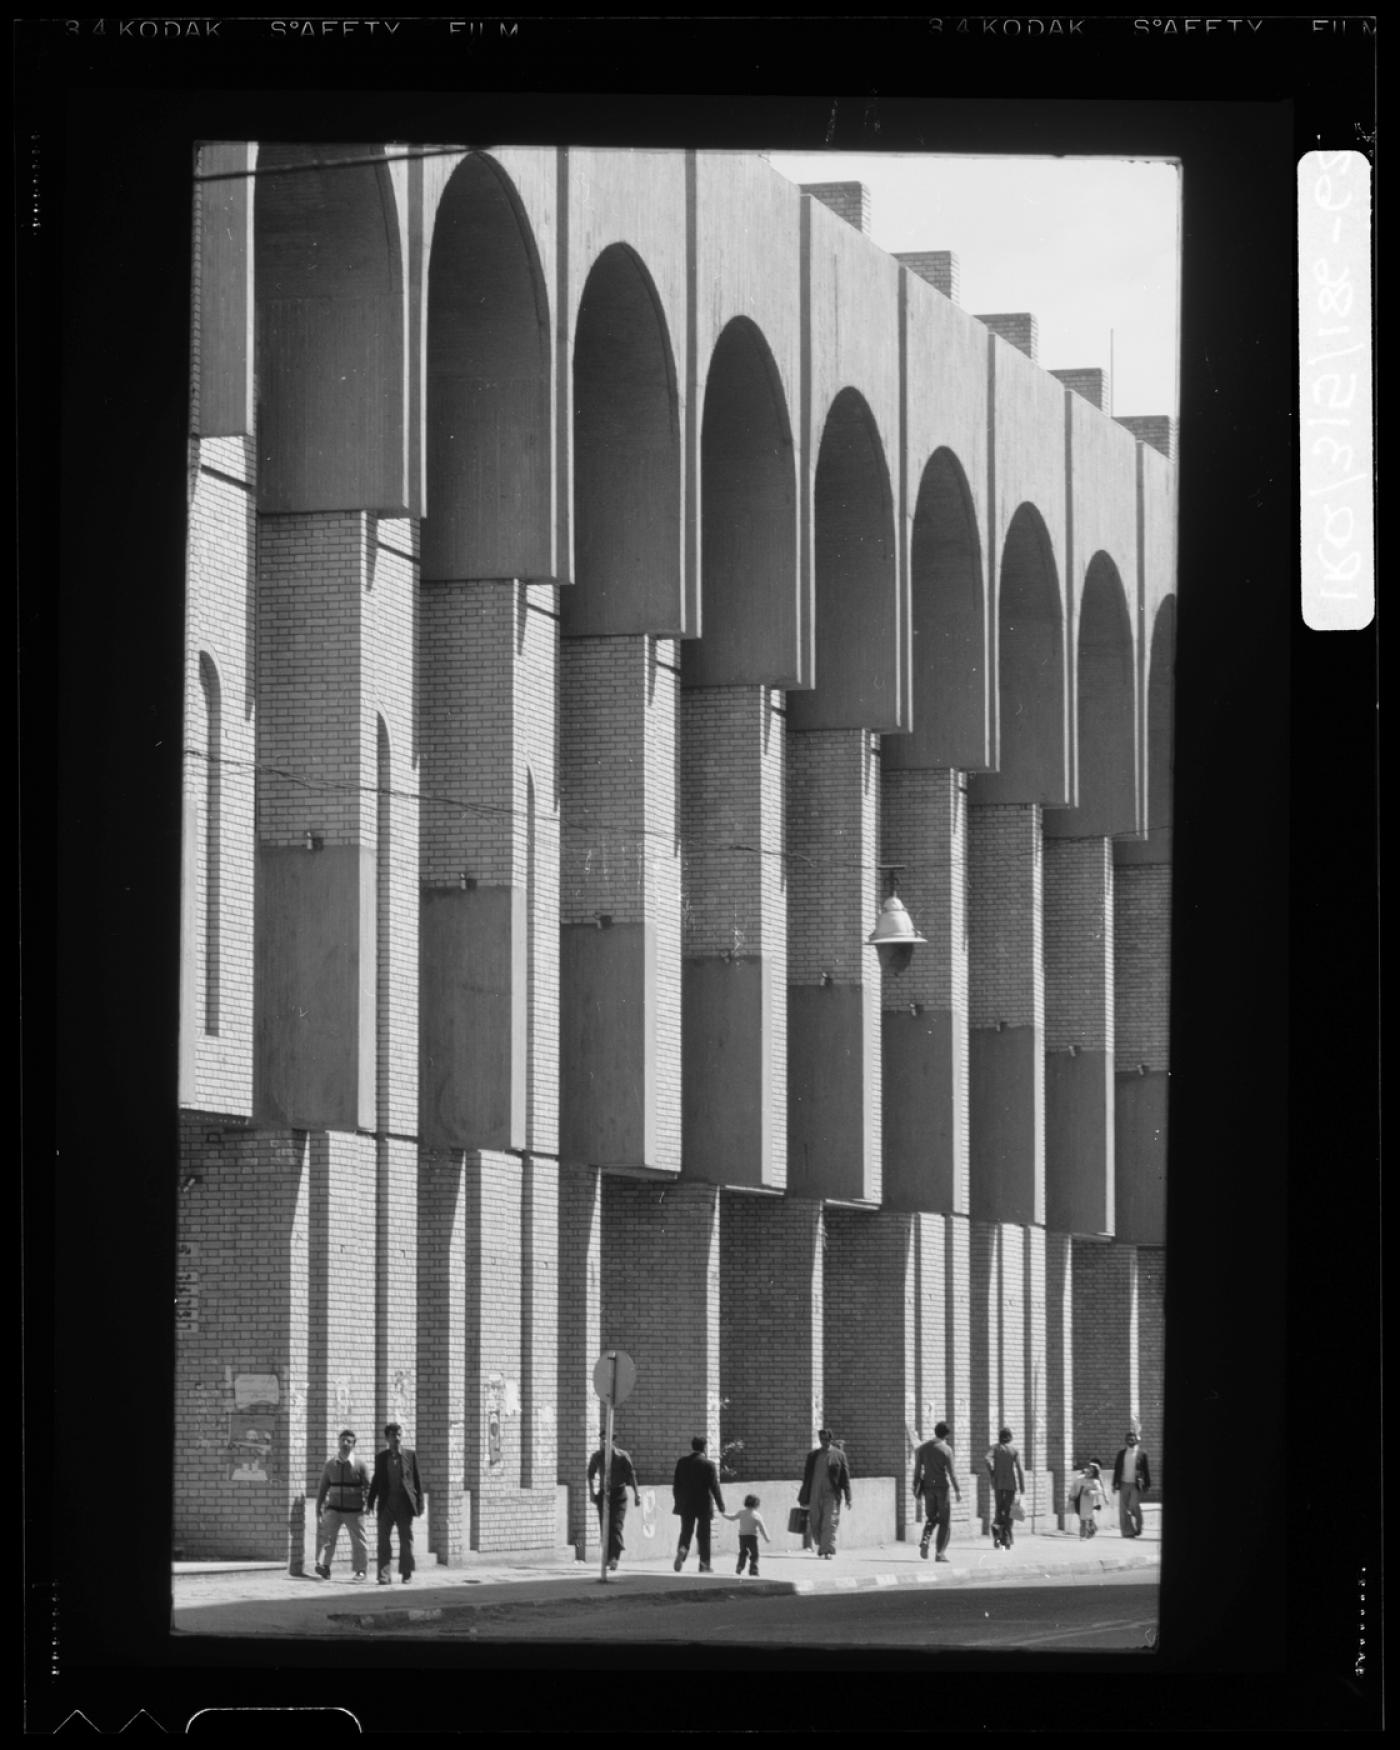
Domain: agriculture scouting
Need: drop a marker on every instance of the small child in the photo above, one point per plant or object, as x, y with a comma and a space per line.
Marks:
1089, 1500
750, 1522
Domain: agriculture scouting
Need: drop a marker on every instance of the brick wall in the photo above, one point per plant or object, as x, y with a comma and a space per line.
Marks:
1152, 1356
242, 1312
868, 1343
579, 1340
1142, 965
1019, 329
660, 1304
1078, 897
938, 266
216, 1017
1005, 916
1089, 381
1157, 429
771, 1310
849, 200
1105, 1303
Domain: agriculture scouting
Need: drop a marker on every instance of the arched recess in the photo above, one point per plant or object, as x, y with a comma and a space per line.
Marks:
1032, 765
489, 460
1161, 691
1106, 712
212, 697
627, 458
951, 697
858, 658
332, 363
748, 505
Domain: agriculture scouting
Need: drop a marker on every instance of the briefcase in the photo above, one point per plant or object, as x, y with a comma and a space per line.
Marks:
797, 1520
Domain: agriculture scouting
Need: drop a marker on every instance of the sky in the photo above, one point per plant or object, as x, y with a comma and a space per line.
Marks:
1090, 246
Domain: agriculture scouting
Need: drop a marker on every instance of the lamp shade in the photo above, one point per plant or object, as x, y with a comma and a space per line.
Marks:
894, 929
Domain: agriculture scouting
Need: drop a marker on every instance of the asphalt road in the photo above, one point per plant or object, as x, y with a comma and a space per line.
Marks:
1118, 1612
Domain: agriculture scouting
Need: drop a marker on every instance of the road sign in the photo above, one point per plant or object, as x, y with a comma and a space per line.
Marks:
614, 1375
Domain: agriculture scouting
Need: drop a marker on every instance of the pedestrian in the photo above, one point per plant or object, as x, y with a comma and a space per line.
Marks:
1008, 1481
750, 1523
826, 1480
397, 1493
1131, 1481
340, 1500
621, 1478
1088, 1498
935, 1481
695, 1493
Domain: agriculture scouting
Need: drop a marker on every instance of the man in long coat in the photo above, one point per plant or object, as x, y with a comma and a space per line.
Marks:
826, 1480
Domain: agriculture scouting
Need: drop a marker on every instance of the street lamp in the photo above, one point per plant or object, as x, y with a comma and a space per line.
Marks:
894, 937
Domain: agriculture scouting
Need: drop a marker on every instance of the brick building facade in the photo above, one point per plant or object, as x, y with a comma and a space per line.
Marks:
603, 569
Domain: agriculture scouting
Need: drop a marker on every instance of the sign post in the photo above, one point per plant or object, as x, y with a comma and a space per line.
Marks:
614, 1375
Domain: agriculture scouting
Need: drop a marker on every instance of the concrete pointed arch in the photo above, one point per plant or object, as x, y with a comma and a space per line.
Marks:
490, 453
1105, 712
1161, 688
628, 574
750, 616
1031, 715
949, 660
858, 680
332, 361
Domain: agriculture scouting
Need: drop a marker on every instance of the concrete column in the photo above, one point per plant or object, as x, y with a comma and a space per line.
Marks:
735, 936
869, 1345
1007, 1014
771, 1346
1061, 1453
620, 1025
834, 1088
580, 1341
442, 1351
1105, 1311
1079, 1034
1142, 1017
924, 1007
539, 1322
940, 1380
959, 1365
1008, 1344
317, 826
1032, 1431
490, 952
660, 1249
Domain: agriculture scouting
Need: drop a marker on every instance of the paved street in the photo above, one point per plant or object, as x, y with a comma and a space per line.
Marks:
1114, 1611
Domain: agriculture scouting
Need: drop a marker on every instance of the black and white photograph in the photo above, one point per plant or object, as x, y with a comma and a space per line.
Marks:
707, 995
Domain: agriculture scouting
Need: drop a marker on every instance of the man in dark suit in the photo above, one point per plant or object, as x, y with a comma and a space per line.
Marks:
696, 1490
397, 1494
1131, 1481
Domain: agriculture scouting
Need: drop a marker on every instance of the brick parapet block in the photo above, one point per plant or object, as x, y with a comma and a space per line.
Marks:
1078, 902
1142, 965
1005, 916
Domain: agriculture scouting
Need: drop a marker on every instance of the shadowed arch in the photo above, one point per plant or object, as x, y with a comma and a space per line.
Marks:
331, 355
1106, 715
1030, 671
858, 680
1160, 693
951, 702
627, 457
489, 461
748, 500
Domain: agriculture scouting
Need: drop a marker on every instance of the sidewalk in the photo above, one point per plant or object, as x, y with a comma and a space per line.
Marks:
217, 1600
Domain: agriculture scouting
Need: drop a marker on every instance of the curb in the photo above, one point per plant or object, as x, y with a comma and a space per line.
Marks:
406, 1617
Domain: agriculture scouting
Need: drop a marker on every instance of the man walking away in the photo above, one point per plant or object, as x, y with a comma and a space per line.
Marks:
1131, 1481
621, 1478
398, 1494
1008, 1481
934, 1480
695, 1494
